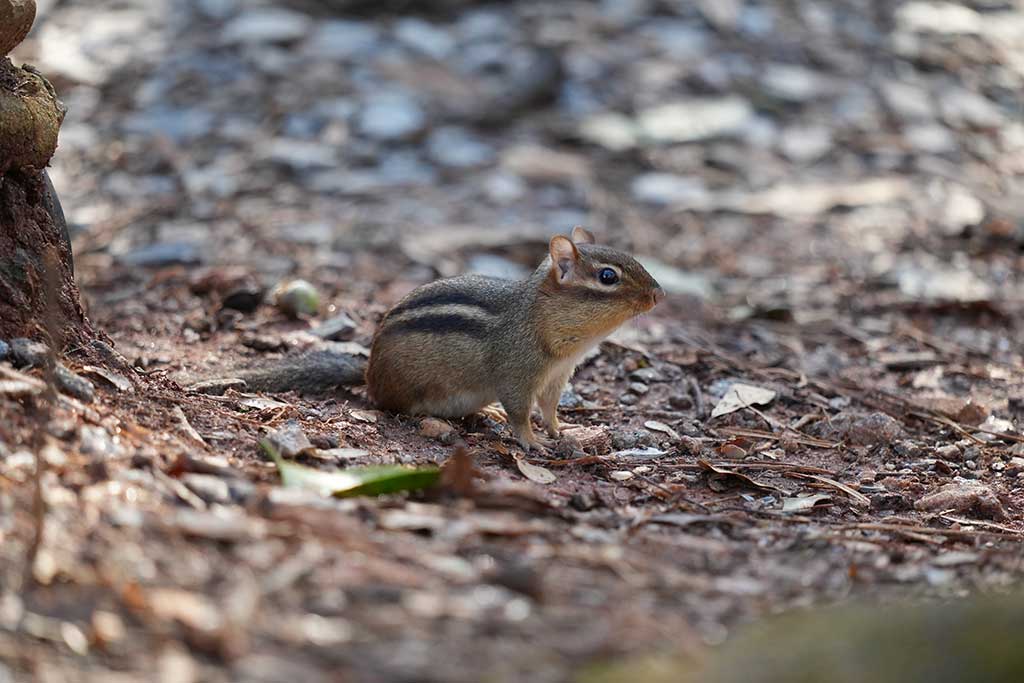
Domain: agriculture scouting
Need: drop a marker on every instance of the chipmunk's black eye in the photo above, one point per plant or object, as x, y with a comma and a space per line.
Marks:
607, 276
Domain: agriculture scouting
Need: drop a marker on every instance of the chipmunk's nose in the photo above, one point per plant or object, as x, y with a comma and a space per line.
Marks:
658, 295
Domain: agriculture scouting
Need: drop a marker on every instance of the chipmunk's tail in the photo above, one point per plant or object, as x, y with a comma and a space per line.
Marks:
312, 372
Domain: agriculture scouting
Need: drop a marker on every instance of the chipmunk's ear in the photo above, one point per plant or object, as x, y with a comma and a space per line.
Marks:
582, 236
563, 257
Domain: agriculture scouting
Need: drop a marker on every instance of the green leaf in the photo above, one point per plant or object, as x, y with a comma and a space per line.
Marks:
372, 480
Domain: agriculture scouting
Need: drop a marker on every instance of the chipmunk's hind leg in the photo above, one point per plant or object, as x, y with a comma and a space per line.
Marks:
548, 399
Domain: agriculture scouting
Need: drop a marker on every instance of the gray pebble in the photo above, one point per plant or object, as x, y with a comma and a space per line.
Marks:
266, 25
680, 401
638, 388
907, 449
424, 37
646, 375
339, 328
163, 254
570, 399
5, 349
626, 439
241, 490
74, 385
26, 353
391, 117
456, 147
629, 399
210, 488
342, 39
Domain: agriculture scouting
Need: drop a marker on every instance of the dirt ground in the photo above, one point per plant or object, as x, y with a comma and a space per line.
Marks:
829, 192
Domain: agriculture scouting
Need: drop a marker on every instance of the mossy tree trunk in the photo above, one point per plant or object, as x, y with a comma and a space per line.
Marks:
33, 235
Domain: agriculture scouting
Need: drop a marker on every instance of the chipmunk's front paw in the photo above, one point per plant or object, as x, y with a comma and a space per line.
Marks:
538, 444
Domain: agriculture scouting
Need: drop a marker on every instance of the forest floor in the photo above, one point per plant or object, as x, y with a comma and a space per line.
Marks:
828, 191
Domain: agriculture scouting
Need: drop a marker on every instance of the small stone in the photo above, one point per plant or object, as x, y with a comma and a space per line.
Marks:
433, 428
794, 83
26, 353
424, 37
805, 144
678, 281
930, 138
638, 388
339, 328
621, 475
245, 298
391, 117
570, 399
694, 119
964, 496
680, 401
646, 375
74, 385
492, 265
241, 490
163, 254
5, 350
266, 25
628, 439
861, 430
456, 147
504, 188
960, 210
339, 40
942, 283
691, 445
939, 17
949, 452
290, 440
297, 298
668, 189
962, 107
629, 399
217, 387
97, 442
299, 155
909, 101
611, 130
181, 125
907, 449
210, 488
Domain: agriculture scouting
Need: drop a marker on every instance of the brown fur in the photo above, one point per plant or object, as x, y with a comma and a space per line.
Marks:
453, 346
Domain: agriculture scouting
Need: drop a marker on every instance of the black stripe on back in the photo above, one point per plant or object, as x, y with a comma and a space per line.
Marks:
449, 323
445, 298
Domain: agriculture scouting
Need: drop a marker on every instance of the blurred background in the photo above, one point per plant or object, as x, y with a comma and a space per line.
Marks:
768, 155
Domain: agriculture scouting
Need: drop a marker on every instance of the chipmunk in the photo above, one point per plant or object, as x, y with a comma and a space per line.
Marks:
454, 346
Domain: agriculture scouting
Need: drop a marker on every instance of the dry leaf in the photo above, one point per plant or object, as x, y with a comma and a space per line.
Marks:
290, 440
262, 403
805, 503
720, 479
535, 473
656, 426
365, 415
741, 396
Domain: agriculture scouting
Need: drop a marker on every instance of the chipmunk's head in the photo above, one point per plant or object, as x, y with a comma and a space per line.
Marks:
605, 285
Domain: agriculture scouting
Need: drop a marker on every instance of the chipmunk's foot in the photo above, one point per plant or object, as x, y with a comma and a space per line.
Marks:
536, 443
495, 412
